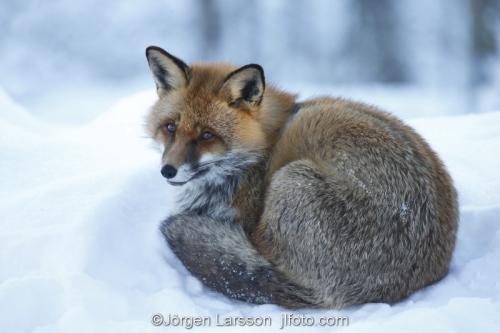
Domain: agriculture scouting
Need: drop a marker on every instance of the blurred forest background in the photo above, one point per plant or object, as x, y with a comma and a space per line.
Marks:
439, 56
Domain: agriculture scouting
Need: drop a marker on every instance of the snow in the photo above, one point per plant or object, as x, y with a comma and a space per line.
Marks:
65, 44
81, 252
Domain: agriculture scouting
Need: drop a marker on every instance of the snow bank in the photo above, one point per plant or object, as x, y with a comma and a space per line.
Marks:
80, 249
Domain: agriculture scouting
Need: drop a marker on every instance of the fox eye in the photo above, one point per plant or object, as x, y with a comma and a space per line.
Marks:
206, 135
171, 127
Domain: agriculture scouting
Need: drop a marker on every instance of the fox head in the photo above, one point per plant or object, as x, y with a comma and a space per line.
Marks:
211, 118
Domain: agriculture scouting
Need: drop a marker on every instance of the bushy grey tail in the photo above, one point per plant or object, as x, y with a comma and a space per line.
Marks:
221, 256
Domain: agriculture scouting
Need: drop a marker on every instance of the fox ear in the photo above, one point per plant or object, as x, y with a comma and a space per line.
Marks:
244, 84
168, 71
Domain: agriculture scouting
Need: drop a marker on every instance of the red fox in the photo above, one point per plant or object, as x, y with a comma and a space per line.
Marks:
322, 203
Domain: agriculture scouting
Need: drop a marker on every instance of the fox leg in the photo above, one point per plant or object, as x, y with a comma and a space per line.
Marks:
304, 230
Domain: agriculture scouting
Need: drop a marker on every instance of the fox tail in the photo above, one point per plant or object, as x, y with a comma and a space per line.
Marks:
220, 254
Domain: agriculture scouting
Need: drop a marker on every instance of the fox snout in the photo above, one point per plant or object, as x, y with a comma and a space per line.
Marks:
179, 168
178, 160
168, 171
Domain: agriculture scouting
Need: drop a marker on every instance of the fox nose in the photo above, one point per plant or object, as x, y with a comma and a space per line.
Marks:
168, 171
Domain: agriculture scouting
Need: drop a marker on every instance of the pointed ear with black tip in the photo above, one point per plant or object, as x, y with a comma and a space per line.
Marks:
168, 71
245, 84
